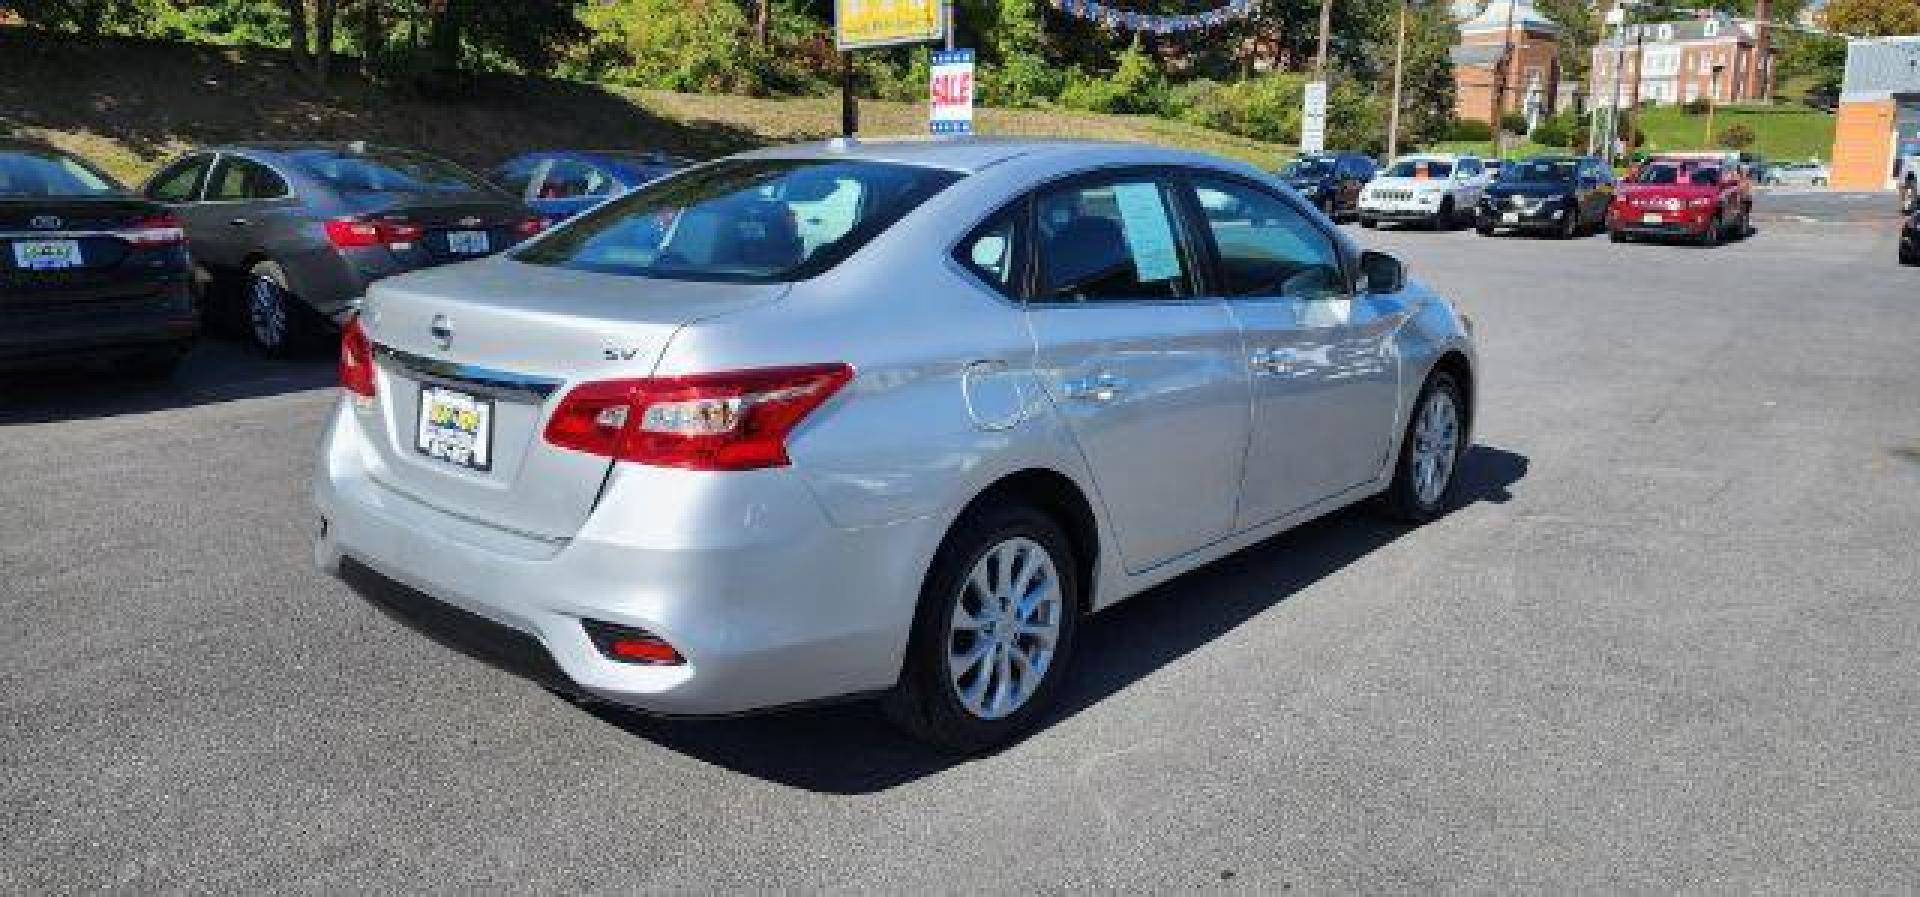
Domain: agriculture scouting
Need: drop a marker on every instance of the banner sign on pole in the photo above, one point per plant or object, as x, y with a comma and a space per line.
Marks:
1095, 11
952, 92
1313, 118
882, 23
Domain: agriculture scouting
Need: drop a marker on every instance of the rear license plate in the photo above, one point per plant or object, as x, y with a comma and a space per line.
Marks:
467, 242
47, 255
455, 427
1510, 218
1651, 218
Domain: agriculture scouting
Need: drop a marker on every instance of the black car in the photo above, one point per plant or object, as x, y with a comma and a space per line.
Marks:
289, 235
1910, 240
1560, 195
1331, 181
88, 272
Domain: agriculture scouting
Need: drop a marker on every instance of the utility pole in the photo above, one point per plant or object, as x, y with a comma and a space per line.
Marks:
1713, 96
1326, 24
1501, 71
1399, 64
1760, 86
946, 10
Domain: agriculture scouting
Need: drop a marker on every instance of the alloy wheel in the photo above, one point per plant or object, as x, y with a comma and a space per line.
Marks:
1005, 625
267, 312
1436, 445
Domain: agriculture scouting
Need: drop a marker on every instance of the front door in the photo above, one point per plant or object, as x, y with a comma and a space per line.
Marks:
1148, 376
1324, 378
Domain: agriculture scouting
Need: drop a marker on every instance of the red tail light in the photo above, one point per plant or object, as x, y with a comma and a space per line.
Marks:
351, 233
163, 229
356, 359
530, 226
732, 421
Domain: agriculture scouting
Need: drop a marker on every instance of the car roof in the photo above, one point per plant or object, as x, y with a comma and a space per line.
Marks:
288, 146
1433, 157
964, 154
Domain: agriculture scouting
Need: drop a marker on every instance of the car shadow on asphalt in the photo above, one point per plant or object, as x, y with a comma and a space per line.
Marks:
219, 369
850, 749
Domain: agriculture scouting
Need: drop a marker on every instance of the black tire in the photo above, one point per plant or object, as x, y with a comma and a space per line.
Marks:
1711, 236
279, 334
1909, 255
1403, 500
1571, 227
1617, 236
1368, 223
1909, 197
1443, 219
926, 702
1485, 230
154, 364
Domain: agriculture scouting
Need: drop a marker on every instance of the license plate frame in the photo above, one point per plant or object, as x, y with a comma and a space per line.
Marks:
469, 242
443, 431
48, 255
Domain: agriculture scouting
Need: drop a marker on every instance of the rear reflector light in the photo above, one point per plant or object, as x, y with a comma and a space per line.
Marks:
351, 233
155, 230
629, 644
732, 421
529, 227
356, 360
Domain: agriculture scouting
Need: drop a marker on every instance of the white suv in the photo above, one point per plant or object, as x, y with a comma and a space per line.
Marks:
1438, 190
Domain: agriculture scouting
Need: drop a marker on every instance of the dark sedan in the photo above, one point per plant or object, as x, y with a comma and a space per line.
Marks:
87, 271
1331, 181
562, 183
289, 235
1560, 195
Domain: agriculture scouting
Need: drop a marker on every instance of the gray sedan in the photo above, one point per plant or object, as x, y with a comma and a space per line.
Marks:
878, 418
287, 236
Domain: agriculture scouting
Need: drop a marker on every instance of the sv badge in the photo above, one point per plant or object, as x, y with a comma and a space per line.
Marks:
622, 354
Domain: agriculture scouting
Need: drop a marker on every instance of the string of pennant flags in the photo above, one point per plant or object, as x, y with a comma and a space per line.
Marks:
1095, 11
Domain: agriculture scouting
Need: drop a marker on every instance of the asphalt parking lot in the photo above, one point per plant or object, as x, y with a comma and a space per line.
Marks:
1669, 642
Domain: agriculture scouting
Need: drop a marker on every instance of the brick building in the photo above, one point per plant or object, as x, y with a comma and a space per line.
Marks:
1533, 78
1675, 62
1879, 120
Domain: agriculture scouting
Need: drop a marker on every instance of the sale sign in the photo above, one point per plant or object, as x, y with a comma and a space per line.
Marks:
952, 92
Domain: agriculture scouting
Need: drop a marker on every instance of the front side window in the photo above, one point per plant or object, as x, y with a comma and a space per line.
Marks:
237, 179
181, 183
1265, 247
34, 172
1110, 240
744, 220
381, 170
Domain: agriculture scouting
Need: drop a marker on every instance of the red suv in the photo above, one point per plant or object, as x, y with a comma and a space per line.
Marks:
1702, 198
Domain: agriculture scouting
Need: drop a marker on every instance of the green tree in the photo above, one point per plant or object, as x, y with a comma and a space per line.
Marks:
1872, 18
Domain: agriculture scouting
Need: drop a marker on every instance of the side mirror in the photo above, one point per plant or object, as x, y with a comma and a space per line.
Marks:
1381, 273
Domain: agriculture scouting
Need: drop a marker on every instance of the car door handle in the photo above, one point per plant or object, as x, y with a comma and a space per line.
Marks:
1100, 388
239, 222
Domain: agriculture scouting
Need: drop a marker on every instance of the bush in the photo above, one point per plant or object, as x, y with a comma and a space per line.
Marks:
1696, 107
1136, 86
1021, 80
1560, 130
1469, 129
1513, 123
1737, 137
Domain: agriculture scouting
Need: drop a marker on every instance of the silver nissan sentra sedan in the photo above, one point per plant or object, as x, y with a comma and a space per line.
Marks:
874, 418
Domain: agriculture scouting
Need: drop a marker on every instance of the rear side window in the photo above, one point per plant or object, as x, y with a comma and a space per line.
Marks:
517, 175
570, 179
47, 173
1110, 240
1265, 247
236, 179
743, 220
994, 252
180, 183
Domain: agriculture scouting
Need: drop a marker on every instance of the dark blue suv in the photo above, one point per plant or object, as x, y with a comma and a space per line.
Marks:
1331, 181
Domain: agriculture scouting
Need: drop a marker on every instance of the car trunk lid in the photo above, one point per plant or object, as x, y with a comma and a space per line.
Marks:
453, 226
492, 347
80, 250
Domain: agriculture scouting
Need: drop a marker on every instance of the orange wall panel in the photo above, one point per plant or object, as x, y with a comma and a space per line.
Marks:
1863, 145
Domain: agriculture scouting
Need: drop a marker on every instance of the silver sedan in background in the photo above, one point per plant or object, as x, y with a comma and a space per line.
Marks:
878, 418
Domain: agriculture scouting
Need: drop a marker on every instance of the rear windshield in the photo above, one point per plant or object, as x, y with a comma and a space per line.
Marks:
34, 173
1420, 168
1536, 170
1309, 168
387, 171
746, 220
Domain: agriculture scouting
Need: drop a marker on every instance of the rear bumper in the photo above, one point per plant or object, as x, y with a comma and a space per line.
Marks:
97, 329
769, 603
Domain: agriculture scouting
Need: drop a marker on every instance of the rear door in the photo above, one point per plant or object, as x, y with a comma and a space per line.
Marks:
1324, 379
179, 186
1147, 373
230, 217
